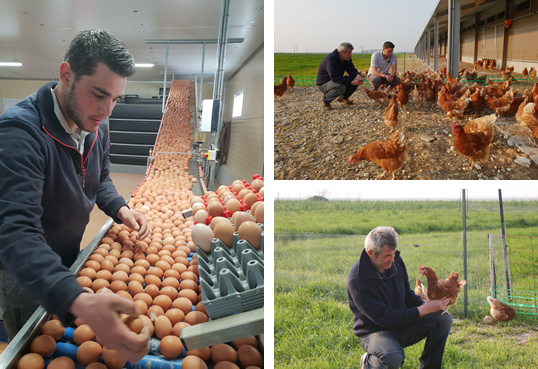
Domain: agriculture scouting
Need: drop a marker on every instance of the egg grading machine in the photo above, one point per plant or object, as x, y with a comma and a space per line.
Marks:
202, 335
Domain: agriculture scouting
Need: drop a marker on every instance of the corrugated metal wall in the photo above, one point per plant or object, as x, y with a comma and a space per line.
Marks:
245, 156
522, 48
467, 48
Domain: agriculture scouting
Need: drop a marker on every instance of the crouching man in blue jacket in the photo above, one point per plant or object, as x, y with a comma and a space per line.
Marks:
54, 160
388, 316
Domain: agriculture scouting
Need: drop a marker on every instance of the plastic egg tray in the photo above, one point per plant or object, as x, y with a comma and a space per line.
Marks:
231, 280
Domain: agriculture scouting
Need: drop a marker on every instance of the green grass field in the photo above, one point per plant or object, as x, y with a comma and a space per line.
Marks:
312, 319
304, 67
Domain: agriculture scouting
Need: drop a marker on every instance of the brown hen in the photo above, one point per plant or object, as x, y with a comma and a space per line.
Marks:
437, 290
500, 311
389, 154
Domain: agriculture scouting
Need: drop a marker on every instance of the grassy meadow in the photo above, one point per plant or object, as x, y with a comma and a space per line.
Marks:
317, 242
304, 67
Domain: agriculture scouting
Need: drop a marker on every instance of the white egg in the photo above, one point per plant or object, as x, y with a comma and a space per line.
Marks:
200, 216
202, 236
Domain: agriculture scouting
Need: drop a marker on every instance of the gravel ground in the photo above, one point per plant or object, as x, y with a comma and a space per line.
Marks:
314, 144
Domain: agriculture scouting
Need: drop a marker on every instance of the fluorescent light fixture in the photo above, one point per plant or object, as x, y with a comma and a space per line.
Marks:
10, 64
144, 65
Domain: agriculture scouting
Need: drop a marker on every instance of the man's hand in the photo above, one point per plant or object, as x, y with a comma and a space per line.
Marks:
431, 306
101, 312
357, 81
390, 77
135, 221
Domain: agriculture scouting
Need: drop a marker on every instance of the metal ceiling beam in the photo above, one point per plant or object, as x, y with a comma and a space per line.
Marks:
195, 42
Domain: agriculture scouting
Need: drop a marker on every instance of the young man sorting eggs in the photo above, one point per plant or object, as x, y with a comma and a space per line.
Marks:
388, 316
53, 169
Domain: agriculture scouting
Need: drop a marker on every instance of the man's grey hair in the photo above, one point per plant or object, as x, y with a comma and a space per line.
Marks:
345, 46
379, 237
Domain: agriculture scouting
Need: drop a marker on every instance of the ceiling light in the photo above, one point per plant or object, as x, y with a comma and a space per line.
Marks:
144, 65
10, 64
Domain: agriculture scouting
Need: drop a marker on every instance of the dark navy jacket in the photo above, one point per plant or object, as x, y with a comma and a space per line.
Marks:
332, 68
380, 301
47, 191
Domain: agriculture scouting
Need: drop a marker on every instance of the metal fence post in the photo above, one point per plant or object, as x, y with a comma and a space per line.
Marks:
505, 251
493, 289
464, 215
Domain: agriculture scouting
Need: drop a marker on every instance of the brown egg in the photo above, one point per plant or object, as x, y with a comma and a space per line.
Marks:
141, 306
171, 347
254, 206
100, 283
152, 259
125, 294
176, 331
183, 304
189, 275
107, 265
190, 294
193, 362
250, 199
98, 257
259, 214
149, 323
31, 361
170, 282
252, 341
188, 284
203, 353
43, 345
224, 231
241, 194
122, 267
87, 272
215, 208
103, 274
53, 328
257, 184
62, 362
119, 276
175, 316
113, 359
249, 356
172, 273
226, 365
162, 265
237, 186
223, 352
89, 352
95, 366
82, 334
163, 301
93, 264
241, 217
135, 324
217, 220
142, 262
163, 327
118, 286
154, 311
196, 317
135, 288
152, 279
200, 307
156, 271
139, 269
251, 232
84, 281
233, 205
146, 298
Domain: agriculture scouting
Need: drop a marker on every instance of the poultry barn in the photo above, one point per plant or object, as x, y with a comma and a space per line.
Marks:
178, 137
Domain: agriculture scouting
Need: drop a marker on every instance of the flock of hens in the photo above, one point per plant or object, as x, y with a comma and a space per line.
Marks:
451, 287
455, 96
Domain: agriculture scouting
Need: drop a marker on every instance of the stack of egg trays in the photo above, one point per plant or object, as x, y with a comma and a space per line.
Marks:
231, 280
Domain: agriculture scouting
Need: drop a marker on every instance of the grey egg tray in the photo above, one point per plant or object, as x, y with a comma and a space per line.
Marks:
231, 279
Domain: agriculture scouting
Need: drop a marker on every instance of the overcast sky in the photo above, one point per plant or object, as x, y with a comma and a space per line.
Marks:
407, 190
320, 26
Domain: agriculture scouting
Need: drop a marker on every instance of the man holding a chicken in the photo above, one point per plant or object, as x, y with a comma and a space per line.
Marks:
331, 79
381, 62
388, 315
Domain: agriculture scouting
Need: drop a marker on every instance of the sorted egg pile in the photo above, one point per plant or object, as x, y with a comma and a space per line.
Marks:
160, 272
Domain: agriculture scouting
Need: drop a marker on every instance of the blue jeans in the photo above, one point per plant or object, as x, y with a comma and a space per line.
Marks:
385, 348
16, 304
332, 90
378, 81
